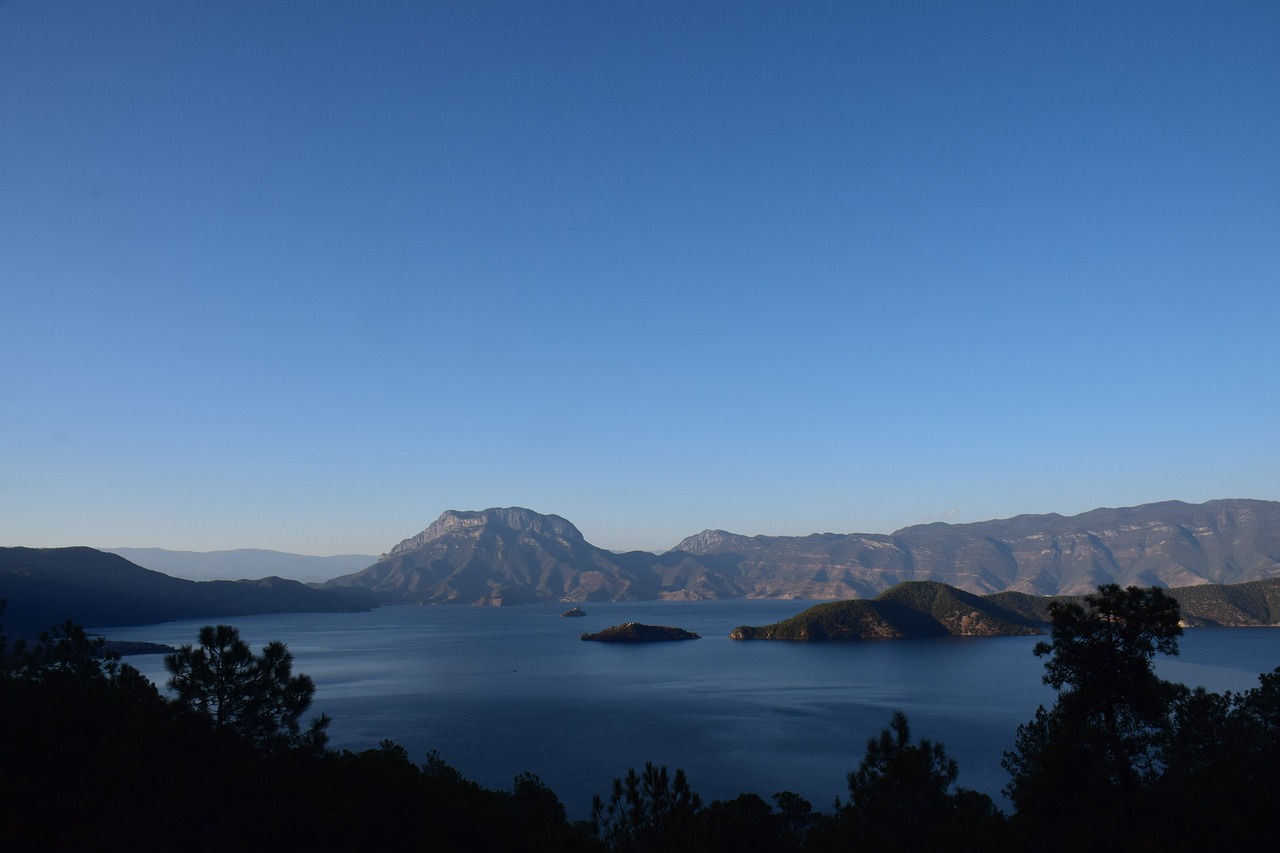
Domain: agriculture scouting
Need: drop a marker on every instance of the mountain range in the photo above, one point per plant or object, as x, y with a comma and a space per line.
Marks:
514, 555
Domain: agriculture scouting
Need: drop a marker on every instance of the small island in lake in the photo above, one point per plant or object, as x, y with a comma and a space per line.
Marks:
635, 632
577, 611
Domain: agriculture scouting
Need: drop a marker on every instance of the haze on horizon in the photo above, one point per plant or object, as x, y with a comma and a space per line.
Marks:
303, 276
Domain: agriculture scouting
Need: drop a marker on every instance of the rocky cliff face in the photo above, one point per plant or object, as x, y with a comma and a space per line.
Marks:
499, 556
474, 524
514, 555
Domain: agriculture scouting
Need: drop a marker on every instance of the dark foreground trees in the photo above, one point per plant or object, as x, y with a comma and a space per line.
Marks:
656, 812
255, 696
1127, 761
92, 756
647, 811
901, 797
1100, 744
1221, 770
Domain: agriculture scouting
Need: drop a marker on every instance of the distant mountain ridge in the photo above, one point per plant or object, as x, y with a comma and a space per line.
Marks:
45, 586
1219, 557
1164, 544
514, 555
243, 563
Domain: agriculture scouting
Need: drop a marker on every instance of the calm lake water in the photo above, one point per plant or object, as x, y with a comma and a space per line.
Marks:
499, 691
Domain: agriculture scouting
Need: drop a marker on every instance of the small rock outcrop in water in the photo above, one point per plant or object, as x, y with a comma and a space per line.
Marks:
635, 632
577, 611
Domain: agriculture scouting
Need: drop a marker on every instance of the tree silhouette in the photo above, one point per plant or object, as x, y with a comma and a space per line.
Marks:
256, 696
1104, 739
648, 811
901, 798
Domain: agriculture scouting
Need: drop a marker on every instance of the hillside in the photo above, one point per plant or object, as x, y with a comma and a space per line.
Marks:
45, 586
931, 609
1254, 604
911, 609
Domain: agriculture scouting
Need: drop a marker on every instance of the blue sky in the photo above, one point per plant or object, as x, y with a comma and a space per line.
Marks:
303, 275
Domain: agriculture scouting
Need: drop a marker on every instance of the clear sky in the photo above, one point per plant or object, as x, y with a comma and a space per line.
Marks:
303, 275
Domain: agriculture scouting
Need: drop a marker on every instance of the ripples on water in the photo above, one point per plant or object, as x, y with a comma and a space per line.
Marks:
500, 691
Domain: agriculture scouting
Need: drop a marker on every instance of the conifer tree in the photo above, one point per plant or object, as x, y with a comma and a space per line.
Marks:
256, 696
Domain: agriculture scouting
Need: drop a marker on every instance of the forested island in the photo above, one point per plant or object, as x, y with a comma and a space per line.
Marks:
914, 609
918, 609
95, 756
636, 632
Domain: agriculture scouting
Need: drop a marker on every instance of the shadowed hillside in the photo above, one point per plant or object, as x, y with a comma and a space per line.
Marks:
45, 586
930, 609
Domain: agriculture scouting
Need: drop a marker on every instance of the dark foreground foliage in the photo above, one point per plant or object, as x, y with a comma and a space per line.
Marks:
1127, 761
92, 756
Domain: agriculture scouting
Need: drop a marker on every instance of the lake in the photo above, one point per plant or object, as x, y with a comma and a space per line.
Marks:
499, 691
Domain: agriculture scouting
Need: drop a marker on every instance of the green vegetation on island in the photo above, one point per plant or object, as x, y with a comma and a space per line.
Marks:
932, 609
912, 609
635, 632
1252, 604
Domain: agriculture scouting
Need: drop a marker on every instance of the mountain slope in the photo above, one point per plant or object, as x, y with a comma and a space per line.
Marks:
44, 586
1253, 604
499, 556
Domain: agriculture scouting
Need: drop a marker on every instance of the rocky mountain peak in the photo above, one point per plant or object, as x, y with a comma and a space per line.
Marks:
712, 542
472, 523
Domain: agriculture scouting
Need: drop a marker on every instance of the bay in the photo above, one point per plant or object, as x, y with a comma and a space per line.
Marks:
500, 691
